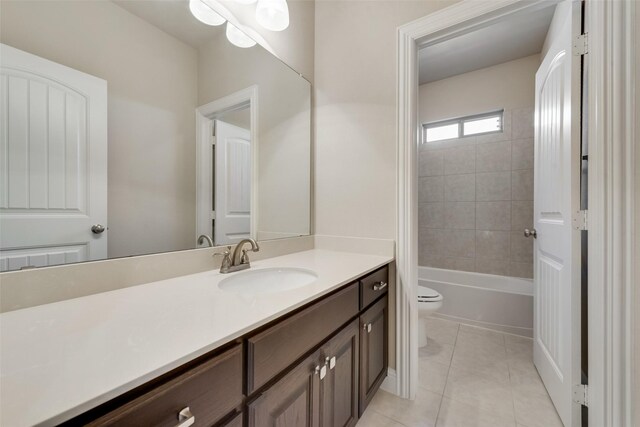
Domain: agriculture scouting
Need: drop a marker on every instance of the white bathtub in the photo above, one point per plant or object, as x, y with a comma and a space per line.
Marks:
495, 302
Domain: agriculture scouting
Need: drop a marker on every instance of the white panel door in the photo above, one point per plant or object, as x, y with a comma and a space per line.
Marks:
53, 171
556, 202
232, 184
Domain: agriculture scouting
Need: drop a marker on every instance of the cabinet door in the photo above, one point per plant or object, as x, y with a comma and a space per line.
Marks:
373, 351
339, 388
294, 401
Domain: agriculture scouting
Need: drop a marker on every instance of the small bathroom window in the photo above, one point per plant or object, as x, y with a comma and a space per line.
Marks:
477, 124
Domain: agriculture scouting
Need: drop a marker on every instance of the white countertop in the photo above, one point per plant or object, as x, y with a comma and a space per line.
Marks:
59, 360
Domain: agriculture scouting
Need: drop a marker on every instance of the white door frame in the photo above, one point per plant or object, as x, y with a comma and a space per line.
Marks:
611, 63
204, 115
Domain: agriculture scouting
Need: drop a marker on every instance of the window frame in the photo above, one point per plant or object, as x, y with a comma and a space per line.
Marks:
460, 121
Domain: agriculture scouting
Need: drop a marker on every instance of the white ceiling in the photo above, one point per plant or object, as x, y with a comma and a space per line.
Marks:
506, 40
172, 17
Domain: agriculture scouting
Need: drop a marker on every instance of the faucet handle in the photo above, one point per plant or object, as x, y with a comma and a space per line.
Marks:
245, 258
226, 259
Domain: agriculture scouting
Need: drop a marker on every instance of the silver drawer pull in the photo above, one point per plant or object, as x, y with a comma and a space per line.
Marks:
186, 418
368, 328
332, 362
322, 371
379, 286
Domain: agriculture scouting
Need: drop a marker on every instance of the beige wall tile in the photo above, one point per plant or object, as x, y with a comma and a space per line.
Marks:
460, 160
431, 163
460, 215
431, 189
521, 269
459, 243
493, 215
493, 266
431, 215
521, 215
460, 188
493, 157
493, 244
522, 185
521, 247
522, 154
522, 123
493, 186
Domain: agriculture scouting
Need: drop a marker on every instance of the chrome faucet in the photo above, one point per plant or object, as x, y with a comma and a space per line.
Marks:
204, 237
234, 262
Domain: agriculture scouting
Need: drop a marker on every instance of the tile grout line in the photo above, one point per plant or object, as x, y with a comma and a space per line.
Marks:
455, 343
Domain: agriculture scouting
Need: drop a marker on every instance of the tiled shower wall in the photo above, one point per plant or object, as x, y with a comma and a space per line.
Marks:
476, 197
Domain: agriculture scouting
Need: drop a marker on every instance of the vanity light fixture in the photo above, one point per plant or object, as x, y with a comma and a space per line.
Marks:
238, 38
273, 14
205, 14
245, 1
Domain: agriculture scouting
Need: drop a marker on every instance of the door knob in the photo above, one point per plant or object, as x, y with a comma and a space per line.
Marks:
531, 233
97, 229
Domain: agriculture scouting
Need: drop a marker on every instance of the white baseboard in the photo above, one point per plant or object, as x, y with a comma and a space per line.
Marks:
390, 384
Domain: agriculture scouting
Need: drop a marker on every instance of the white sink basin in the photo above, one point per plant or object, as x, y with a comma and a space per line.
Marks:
268, 280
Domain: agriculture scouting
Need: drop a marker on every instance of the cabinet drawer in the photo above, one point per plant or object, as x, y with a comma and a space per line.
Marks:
373, 286
274, 349
211, 390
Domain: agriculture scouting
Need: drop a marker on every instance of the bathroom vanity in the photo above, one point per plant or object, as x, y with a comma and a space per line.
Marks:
309, 356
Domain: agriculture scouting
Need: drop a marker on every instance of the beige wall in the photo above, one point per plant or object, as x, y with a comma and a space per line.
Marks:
152, 80
284, 131
355, 114
510, 85
636, 335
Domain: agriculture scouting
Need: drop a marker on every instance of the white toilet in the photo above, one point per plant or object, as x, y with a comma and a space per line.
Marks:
429, 301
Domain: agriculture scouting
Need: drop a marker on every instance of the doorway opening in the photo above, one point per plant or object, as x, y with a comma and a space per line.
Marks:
227, 147
469, 200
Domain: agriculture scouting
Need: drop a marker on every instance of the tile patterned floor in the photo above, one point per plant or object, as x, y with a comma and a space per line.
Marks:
469, 377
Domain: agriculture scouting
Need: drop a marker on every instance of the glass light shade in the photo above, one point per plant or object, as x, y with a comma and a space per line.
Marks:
205, 14
237, 37
245, 1
273, 14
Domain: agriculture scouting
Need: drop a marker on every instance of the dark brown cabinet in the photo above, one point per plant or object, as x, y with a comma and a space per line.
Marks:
274, 349
373, 350
339, 387
316, 367
205, 394
294, 401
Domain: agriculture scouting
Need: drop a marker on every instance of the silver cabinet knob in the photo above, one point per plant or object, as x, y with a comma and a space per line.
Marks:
97, 229
531, 233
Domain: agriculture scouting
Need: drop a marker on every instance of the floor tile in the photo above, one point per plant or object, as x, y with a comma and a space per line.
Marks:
421, 412
480, 391
535, 410
469, 377
528, 384
436, 352
432, 375
454, 413
495, 368
488, 335
442, 331
372, 418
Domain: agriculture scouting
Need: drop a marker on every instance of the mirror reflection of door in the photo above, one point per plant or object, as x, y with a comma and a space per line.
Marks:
232, 182
53, 189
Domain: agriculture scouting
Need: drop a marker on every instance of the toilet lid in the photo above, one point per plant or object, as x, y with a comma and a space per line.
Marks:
427, 294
